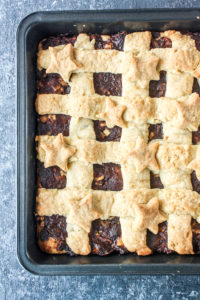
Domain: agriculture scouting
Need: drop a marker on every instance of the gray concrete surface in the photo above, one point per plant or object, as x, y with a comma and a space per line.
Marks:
15, 282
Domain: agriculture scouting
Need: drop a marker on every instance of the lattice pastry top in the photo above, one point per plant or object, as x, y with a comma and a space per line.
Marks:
112, 119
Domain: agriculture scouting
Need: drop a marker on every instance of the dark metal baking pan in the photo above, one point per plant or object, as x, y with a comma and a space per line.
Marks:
30, 31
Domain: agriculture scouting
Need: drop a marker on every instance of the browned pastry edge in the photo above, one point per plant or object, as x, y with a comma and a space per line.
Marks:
105, 237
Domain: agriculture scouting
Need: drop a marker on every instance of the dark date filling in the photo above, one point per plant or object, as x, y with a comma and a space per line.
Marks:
61, 39
195, 182
195, 87
196, 236
105, 134
116, 41
196, 137
155, 132
50, 178
155, 181
53, 227
107, 177
53, 124
105, 237
157, 88
107, 84
158, 242
51, 84
160, 42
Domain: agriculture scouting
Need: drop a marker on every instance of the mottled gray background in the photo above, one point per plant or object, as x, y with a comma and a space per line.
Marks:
15, 282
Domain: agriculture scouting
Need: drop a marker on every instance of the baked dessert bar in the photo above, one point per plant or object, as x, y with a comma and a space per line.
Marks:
118, 143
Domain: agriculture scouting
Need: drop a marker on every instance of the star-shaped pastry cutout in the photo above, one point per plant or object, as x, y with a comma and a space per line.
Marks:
82, 213
148, 216
195, 165
57, 153
63, 62
113, 114
144, 155
189, 113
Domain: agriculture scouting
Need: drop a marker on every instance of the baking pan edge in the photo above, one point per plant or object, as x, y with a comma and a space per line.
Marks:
79, 269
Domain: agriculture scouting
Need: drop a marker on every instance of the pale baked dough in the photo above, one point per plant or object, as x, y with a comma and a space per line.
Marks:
182, 113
